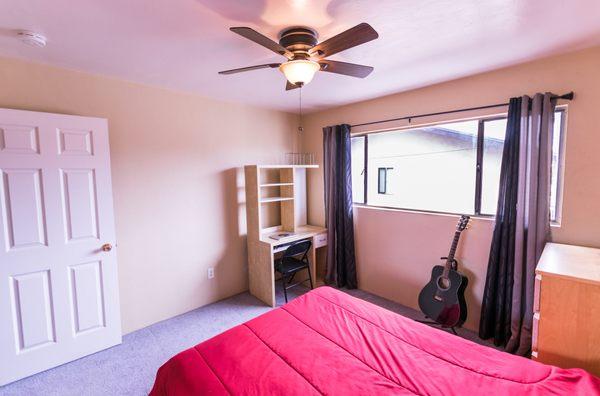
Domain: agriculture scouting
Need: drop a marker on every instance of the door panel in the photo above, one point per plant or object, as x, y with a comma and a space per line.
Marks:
87, 300
59, 297
79, 204
75, 142
20, 139
24, 224
32, 307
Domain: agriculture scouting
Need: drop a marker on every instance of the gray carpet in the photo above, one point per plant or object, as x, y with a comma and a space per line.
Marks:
129, 368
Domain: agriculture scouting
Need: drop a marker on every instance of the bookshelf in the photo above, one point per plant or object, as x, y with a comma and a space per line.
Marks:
280, 189
284, 185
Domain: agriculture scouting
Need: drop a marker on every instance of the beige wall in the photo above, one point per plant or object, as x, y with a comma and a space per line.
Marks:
396, 249
178, 196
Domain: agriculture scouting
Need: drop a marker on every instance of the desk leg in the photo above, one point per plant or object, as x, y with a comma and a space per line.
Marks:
261, 272
312, 257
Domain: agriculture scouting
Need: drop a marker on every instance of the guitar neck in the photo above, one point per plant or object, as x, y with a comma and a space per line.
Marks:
454, 246
452, 252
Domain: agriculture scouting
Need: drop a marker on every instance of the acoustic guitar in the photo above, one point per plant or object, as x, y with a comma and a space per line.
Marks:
443, 298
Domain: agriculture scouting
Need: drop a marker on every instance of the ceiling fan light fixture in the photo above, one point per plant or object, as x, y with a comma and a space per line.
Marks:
305, 55
299, 72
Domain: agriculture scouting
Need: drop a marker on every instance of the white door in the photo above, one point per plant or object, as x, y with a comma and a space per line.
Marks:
58, 288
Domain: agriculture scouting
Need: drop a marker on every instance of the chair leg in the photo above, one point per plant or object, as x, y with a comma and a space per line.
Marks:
310, 277
284, 288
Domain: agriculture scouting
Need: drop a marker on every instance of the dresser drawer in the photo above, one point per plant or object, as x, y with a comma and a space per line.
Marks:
320, 240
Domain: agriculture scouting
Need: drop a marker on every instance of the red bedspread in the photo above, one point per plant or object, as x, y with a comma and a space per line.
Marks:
327, 342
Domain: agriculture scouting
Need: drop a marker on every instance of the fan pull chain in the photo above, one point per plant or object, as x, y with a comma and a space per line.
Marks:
300, 127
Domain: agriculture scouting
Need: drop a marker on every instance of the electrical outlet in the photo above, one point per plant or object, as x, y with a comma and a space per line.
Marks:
211, 272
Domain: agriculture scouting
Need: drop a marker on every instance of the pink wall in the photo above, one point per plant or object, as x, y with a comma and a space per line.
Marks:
396, 249
395, 258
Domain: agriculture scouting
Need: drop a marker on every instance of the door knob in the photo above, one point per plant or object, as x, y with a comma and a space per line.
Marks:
107, 247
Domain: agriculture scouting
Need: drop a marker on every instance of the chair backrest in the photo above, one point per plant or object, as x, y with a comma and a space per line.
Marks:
298, 248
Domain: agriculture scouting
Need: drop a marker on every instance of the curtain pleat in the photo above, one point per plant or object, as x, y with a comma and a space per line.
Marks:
497, 297
341, 264
522, 224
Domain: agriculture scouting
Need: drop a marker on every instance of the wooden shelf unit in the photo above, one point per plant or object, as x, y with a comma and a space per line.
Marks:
264, 180
284, 185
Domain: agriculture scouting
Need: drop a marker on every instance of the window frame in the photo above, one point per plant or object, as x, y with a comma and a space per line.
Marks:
479, 165
563, 109
560, 174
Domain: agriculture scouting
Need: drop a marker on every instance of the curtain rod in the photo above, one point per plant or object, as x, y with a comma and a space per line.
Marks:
567, 96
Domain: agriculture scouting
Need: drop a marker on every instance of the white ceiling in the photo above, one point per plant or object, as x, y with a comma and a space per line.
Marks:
182, 44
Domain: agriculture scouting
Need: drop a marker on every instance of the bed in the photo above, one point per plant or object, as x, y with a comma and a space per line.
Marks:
327, 342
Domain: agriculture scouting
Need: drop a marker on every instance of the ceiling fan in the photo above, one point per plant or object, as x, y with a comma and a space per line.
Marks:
306, 55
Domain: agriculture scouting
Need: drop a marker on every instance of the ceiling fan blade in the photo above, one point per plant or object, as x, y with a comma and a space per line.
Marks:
348, 69
289, 86
352, 37
258, 38
245, 69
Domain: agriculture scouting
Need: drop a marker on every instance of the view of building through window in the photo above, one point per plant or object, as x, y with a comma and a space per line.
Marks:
382, 180
434, 168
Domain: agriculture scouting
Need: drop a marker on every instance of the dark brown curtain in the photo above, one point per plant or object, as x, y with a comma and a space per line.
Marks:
341, 265
522, 224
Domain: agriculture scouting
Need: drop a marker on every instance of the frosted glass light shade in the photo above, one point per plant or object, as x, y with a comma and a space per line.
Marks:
299, 71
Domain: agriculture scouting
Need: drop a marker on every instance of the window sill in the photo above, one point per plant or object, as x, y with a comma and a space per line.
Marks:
417, 211
553, 224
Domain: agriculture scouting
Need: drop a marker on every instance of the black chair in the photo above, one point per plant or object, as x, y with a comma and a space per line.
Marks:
294, 259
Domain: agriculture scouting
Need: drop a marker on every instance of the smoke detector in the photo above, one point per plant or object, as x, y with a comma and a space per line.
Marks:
32, 38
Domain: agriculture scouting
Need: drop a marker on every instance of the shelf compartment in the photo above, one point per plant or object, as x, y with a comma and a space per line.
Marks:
276, 184
276, 199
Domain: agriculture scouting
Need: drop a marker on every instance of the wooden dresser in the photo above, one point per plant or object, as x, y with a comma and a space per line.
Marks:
566, 321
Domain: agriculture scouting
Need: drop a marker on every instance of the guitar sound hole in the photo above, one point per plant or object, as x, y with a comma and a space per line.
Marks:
443, 283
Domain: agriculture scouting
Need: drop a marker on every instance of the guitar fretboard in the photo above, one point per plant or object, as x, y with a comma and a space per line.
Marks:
451, 254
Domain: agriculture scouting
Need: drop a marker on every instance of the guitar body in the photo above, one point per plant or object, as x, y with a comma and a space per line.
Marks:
443, 299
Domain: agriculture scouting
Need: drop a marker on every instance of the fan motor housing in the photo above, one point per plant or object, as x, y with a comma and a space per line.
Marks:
298, 39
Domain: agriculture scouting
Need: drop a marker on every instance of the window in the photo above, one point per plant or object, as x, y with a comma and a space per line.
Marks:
382, 180
450, 168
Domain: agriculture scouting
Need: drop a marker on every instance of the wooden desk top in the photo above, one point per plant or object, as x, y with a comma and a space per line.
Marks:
568, 261
302, 232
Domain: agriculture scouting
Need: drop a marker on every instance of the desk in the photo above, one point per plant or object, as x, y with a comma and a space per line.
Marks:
261, 266
282, 186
